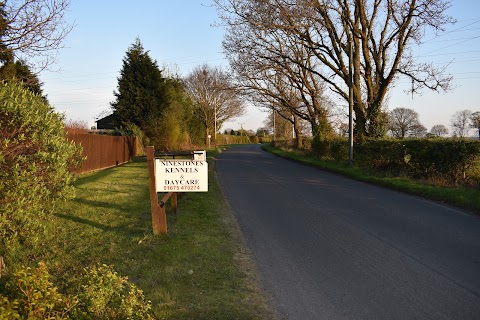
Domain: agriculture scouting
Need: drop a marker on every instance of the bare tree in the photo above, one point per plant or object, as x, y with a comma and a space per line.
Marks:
418, 131
262, 61
215, 97
403, 122
76, 126
287, 126
475, 119
34, 30
378, 35
439, 130
461, 123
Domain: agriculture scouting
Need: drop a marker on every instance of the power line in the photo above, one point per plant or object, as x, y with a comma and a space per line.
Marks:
450, 53
455, 30
449, 46
454, 39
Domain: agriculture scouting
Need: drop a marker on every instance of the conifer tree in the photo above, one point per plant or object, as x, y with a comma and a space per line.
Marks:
140, 96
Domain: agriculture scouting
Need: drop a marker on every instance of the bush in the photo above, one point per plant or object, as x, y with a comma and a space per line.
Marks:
332, 149
430, 159
33, 296
266, 139
104, 295
436, 160
131, 130
450, 159
387, 156
35, 160
254, 139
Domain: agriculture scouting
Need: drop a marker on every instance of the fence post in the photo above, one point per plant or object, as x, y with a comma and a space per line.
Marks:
174, 202
159, 218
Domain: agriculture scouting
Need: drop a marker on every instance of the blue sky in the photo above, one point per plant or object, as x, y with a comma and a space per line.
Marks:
180, 36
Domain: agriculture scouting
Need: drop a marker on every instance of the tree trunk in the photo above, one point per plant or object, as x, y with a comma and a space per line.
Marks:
360, 130
316, 134
298, 138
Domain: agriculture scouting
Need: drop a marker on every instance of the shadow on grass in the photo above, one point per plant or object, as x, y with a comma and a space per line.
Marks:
123, 229
139, 159
94, 176
100, 204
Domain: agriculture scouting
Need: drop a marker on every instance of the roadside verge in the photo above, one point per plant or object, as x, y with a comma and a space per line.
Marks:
200, 270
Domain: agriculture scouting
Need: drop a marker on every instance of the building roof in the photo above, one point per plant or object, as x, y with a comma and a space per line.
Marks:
109, 122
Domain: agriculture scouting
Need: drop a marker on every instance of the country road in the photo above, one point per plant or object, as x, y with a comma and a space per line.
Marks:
328, 247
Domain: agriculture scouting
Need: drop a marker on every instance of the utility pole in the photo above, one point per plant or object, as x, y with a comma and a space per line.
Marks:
215, 114
293, 126
215, 111
273, 109
350, 105
241, 131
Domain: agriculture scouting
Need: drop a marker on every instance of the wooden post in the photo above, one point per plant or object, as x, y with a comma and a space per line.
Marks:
159, 217
174, 202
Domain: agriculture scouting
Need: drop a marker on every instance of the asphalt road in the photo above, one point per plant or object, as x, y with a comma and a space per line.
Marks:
328, 247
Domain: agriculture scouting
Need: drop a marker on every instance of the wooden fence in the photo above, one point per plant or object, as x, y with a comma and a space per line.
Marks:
103, 151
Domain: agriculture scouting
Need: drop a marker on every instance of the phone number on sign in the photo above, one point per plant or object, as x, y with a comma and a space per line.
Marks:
181, 188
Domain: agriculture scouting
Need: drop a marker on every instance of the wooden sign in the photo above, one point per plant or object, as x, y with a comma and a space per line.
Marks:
181, 175
172, 176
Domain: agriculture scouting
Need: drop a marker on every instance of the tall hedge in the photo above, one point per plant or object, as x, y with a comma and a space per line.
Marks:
35, 160
449, 159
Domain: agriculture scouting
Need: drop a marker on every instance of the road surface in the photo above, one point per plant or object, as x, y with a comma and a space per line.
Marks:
328, 247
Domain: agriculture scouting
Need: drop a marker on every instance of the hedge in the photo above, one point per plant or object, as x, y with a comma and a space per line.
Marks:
451, 159
35, 166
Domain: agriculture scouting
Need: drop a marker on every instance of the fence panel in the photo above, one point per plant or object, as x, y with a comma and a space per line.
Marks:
103, 151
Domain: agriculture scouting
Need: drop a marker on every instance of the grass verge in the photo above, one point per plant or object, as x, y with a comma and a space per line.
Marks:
200, 270
467, 198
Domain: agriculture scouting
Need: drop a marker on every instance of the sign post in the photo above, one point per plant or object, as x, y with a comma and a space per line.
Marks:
159, 219
172, 176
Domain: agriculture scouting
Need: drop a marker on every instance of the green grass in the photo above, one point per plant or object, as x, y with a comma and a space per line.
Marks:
199, 270
464, 197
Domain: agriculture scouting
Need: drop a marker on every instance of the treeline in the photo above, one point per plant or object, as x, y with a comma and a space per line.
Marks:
169, 112
312, 63
406, 149
304, 59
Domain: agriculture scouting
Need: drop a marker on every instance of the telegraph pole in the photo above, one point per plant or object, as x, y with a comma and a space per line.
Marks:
273, 109
241, 131
293, 126
215, 113
350, 105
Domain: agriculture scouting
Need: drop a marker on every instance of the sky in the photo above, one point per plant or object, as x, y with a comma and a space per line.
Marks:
180, 35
